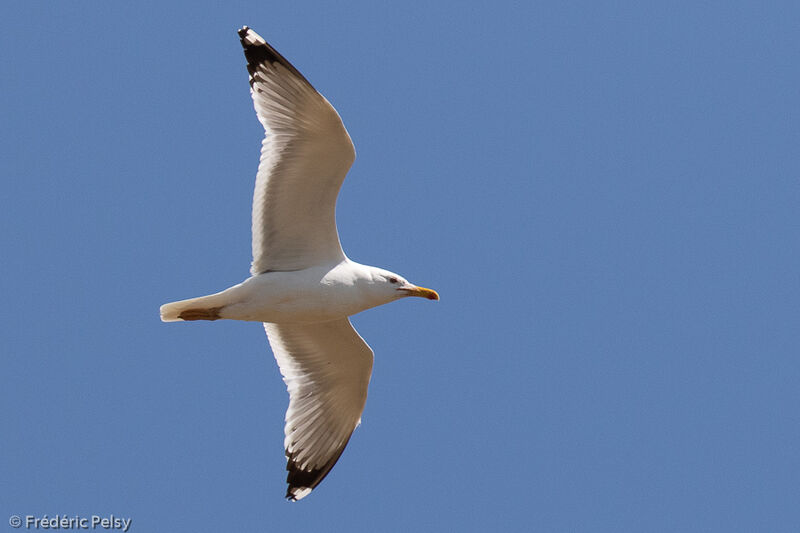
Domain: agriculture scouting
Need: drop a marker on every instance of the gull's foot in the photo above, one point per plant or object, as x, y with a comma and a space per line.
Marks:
210, 313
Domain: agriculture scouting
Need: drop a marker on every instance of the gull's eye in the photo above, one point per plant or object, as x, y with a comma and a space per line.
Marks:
392, 279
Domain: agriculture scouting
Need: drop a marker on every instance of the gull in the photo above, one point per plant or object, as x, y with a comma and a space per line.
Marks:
302, 285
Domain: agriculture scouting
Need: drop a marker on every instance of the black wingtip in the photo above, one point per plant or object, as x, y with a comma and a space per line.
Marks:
302, 482
293, 492
258, 51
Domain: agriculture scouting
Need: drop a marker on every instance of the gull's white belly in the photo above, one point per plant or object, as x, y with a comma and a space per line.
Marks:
312, 295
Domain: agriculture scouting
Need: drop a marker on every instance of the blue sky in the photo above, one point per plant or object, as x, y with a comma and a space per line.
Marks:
604, 194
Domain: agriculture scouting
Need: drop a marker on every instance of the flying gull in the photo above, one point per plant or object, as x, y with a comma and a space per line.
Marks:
302, 285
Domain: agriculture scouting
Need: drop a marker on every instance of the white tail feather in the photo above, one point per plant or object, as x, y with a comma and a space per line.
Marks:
171, 312
201, 308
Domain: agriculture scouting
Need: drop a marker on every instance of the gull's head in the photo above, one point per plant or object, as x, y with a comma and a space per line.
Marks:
396, 287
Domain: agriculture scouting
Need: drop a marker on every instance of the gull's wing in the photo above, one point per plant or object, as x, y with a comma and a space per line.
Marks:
304, 159
326, 367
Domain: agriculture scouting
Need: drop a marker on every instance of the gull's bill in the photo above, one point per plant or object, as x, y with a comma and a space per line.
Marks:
303, 287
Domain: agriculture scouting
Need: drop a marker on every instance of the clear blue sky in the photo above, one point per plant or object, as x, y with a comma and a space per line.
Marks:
604, 194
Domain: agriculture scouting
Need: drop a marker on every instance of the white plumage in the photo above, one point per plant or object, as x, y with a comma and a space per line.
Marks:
303, 287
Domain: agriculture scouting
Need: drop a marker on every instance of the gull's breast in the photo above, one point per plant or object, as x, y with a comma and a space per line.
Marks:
303, 296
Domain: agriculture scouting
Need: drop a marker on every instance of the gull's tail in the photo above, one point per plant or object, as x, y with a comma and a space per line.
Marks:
202, 308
